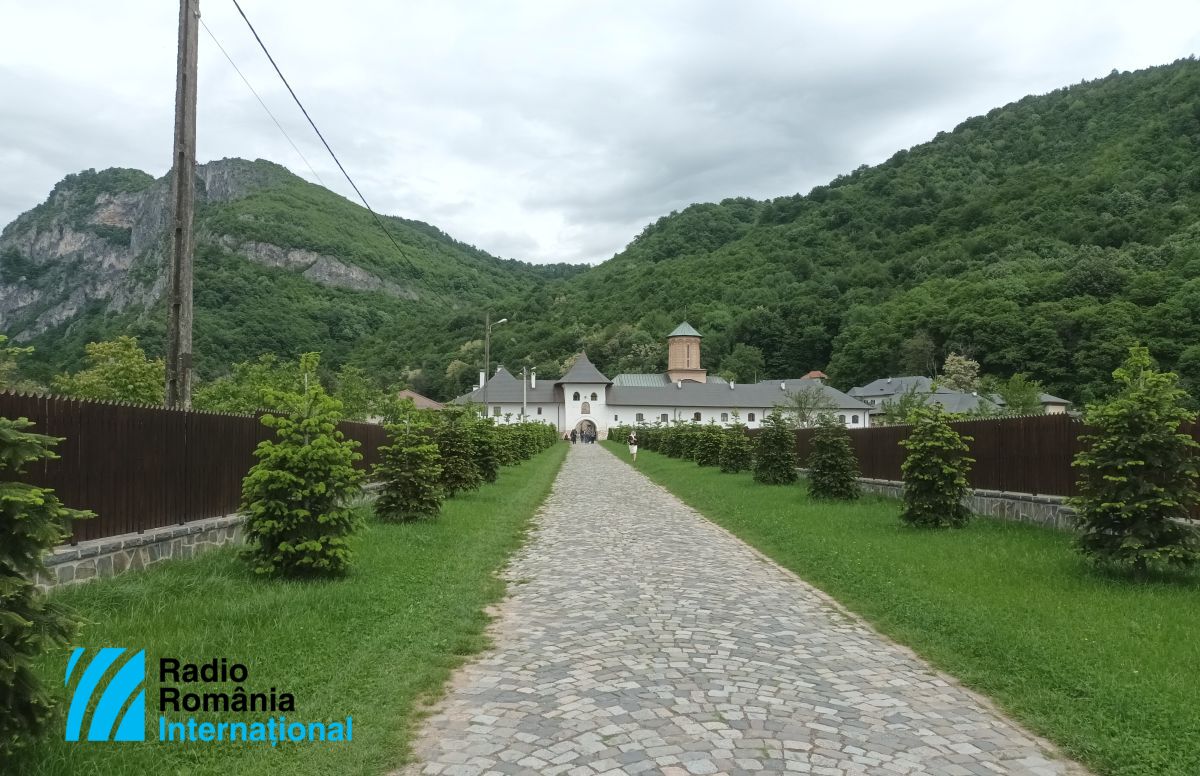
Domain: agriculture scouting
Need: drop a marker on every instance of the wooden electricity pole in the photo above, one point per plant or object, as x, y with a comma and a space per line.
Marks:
183, 173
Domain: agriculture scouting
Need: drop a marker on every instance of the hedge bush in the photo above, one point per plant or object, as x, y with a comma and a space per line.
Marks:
411, 473
775, 451
832, 465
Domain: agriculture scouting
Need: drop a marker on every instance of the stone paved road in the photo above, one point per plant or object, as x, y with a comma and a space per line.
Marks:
640, 639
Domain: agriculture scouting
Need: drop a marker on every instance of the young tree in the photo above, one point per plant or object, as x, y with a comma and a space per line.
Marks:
737, 453
411, 471
9, 368
249, 385
832, 465
935, 471
117, 370
775, 451
295, 498
744, 363
1138, 476
361, 398
960, 373
32, 520
1021, 395
805, 405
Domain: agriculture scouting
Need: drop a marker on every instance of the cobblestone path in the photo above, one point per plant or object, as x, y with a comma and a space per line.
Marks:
641, 639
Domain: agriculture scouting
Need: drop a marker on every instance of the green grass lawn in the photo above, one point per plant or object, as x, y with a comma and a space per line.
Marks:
1108, 668
373, 645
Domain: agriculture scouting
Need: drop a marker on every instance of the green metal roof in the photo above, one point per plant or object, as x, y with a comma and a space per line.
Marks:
685, 330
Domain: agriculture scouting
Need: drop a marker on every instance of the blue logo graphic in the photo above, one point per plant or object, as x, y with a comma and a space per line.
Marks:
123, 697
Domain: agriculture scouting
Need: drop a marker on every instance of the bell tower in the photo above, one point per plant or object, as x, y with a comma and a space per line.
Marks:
683, 354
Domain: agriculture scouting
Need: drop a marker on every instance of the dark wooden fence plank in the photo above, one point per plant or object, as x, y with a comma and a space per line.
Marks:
142, 467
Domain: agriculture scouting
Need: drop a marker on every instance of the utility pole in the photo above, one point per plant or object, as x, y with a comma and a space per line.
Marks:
487, 356
183, 173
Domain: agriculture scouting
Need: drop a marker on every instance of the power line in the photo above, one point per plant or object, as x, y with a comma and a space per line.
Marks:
263, 104
313, 124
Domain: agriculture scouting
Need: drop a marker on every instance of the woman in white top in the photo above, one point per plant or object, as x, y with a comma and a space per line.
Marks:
633, 444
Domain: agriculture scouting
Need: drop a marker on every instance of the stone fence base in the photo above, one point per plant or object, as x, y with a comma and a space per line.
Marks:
70, 564
1049, 511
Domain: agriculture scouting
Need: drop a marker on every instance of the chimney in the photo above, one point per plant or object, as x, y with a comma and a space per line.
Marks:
679, 383
732, 385
482, 377
533, 379
783, 386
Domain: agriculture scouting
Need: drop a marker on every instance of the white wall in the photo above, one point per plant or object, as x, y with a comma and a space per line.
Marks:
573, 409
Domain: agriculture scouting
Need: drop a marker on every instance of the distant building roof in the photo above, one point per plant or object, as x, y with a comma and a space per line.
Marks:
762, 395
960, 402
583, 371
1046, 398
504, 388
656, 380
886, 386
816, 374
685, 330
422, 402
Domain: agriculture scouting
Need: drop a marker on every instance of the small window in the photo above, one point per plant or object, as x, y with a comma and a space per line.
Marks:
496, 411
750, 417
663, 417
575, 396
640, 417
854, 419
586, 408
594, 396
724, 417
539, 410
696, 416
842, 418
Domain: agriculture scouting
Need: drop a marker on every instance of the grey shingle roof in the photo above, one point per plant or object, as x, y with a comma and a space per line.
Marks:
763, 395
1046, 398
504, 388
889, 385
656, 380
685, 330
583, 371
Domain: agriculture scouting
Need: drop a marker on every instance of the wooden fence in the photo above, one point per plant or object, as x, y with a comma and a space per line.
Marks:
141, 467
1030, 454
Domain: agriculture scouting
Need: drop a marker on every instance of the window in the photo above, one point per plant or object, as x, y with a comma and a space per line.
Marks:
688, 361
593, 396
616, 418
539, 410
842, 418
854, 419
724, 417
496, 411
586, 409
696, 416
663, 417
750, 417
575, 396
641, 418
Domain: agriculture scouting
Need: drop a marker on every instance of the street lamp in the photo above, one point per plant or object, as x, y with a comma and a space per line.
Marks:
487, 356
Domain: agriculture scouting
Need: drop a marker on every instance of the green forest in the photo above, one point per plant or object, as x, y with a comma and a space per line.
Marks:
1044, 238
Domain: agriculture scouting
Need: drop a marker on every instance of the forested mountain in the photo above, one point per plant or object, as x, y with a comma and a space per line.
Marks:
1043, 238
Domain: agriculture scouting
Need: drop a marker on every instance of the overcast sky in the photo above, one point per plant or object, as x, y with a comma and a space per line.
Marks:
547, 131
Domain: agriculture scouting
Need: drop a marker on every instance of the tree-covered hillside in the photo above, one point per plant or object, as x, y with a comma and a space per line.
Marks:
1042, 238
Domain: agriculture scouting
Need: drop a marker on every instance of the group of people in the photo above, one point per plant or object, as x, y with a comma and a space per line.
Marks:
586, 437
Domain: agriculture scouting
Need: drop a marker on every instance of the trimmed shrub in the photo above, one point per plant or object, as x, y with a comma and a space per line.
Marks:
295, 498
775, 451
737, 452
832, 465
1138, 476
935, 471
708, 444
411, 471
485, 446
456, 446
32, 521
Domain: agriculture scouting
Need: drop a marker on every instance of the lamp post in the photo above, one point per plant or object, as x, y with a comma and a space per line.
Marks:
487, 355
524, 383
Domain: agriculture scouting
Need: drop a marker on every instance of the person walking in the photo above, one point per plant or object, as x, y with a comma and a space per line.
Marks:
633, 445
574, 436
